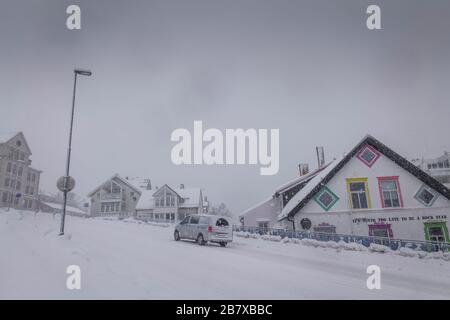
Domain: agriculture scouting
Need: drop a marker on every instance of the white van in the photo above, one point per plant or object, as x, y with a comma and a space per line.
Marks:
203, 228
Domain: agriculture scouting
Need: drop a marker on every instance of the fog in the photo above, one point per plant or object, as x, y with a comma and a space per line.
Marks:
311, 69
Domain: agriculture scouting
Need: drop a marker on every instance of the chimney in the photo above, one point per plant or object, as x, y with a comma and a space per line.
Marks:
148, 184
303, 168
320, 157
182, 186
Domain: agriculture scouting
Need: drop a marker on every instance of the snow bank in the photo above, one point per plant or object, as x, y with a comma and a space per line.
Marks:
135, 221
351, 246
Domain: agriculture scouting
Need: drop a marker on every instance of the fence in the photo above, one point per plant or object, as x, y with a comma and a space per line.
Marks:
394, 244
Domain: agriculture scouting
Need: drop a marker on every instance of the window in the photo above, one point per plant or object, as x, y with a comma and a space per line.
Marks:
390, 192
5, 197
426, 196
18, 185
368, 155
8, 167
185, 220
436, 231
172, 201
194, 219
263, 224
20, 171
6, 184
14, 171
28, 176
380, 230
33, 177
358, 191
223, 223
326, 198
31, 190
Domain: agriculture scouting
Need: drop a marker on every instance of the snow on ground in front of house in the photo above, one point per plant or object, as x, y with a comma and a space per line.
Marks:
121, 260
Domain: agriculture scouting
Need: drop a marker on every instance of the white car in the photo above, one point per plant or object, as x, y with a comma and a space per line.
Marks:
203, 228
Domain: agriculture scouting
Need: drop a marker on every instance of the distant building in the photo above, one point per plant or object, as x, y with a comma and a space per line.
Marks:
170, 204
438, 168
19, 182
53, 204
56, 208
117, 196
370, 191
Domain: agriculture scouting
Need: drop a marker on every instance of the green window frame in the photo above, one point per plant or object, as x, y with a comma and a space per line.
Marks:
430, 225
325, 191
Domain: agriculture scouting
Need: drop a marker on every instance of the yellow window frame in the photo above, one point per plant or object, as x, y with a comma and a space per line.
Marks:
366, 184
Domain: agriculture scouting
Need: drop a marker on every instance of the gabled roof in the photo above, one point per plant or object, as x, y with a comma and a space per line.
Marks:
118, 177
7, 136
315, 184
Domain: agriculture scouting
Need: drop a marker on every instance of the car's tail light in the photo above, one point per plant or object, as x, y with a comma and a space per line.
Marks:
210, 229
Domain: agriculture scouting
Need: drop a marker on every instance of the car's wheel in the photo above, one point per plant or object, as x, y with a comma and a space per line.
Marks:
223, 244
176, 235
200, 239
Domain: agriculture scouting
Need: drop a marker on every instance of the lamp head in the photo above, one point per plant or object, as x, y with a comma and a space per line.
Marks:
83, 72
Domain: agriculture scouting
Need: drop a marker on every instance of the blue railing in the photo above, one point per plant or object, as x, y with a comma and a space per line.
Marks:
394, 244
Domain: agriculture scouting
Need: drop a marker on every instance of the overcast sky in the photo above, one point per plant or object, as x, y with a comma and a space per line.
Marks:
310, 68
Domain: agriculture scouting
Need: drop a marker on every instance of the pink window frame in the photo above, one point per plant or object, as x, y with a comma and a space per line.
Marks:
381, 226
360, 152
390, 178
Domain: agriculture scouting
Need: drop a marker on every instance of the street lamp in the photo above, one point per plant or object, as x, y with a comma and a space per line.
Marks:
69, 149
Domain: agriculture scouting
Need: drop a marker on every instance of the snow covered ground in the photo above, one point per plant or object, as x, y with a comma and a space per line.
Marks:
122, 260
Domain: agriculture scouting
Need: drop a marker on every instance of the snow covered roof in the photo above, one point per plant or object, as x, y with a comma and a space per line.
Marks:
315, 184
58, 206
6, 136
298, 180
138, 182
243, 213
146, 201
191, 196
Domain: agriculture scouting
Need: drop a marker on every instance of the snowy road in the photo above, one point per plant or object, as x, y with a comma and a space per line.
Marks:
120, 260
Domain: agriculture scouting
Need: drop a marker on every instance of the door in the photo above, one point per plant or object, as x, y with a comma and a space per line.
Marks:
183, 227
193, 227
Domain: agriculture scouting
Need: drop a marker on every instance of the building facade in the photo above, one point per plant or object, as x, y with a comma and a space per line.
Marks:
438, 168
117, 196
371, 191
170, 204
19, 182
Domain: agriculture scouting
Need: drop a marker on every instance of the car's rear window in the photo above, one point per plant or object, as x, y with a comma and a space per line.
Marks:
221, 222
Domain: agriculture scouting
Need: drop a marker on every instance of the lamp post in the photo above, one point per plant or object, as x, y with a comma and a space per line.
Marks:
69, 149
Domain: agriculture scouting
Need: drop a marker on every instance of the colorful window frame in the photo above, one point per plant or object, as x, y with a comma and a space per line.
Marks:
326, 190
422, 188
383, 227
367, 148
349, 192
399, 192
430, 225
